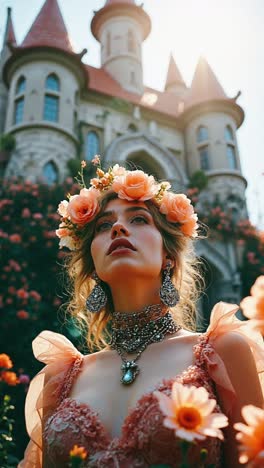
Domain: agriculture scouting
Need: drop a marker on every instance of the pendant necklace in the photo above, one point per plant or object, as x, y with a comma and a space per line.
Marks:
132, 333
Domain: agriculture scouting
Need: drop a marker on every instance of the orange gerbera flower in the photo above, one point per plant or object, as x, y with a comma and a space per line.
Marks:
251, 436
78, 452
5, 361
9, 377
189, 413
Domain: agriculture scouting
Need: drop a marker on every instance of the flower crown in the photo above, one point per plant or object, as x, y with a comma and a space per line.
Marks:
81, 209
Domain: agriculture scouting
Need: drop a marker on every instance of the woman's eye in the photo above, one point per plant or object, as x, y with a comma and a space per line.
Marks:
103, 226
140, 220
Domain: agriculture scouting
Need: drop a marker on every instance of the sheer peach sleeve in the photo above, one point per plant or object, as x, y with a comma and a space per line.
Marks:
223, 320
58, 353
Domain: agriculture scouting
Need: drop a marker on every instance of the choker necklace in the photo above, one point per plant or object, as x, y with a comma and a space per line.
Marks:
132, 333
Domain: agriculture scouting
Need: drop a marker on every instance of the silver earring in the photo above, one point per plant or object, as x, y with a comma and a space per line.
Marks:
168, 293
98, 298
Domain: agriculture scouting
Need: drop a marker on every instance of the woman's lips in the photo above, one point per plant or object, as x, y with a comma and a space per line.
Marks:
120, 244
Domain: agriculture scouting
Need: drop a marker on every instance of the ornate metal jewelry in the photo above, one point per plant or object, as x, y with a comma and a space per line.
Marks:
98, 298
168, 293
132, 333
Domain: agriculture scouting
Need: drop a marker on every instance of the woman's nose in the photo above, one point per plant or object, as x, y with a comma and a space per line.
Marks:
118, 229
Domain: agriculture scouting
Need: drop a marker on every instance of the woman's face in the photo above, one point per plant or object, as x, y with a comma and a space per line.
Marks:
127, 242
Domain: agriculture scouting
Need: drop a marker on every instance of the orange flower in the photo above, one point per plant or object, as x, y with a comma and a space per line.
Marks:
253, 306
135, 185
176, 207
78, 452
9, 377
83, 208
251, 436
190, 227
5, 361
189, 413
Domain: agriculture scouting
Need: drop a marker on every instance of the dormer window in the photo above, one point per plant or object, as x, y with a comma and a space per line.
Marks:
51, 98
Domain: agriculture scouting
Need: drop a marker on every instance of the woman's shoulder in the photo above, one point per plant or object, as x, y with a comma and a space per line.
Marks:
49, 347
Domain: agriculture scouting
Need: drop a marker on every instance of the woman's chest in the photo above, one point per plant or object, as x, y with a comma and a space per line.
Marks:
99, 384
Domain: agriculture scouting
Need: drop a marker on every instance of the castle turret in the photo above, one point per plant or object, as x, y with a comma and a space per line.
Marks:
44, 77
174, 80
121, 27
211, 120
9, 42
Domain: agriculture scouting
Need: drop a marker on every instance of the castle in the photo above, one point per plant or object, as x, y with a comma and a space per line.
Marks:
59, 108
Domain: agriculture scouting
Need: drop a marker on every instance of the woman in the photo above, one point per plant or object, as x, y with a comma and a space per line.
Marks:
133, 267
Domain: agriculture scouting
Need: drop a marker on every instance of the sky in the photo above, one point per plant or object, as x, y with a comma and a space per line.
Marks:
228, 33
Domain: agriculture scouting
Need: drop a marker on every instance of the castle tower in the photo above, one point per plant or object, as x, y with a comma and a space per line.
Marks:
211, 120
174, 80
8, 43
44, 77
121, 27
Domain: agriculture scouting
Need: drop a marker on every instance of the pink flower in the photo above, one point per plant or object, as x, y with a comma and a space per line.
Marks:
22, 294
135, 185
83, 208
96, 160
35, 295
22, 314
63, 231
26, 213
189, 412
251, 436
24, 379
15, 238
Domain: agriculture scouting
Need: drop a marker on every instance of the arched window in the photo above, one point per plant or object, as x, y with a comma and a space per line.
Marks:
204, 158
202, 134
130, 41
52, 83
21, 85
51, 98
231, 157
230, 148
202, 138
50, 173
92, 145
20, 100
229, 136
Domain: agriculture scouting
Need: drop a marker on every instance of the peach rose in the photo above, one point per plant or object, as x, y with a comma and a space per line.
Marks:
62, 208
190, 227
176, 207
257, 289
9, 377
135, 185
62, 231
5, 361
83, 208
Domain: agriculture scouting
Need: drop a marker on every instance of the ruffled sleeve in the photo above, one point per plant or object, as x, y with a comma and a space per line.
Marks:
44, 393
223, 320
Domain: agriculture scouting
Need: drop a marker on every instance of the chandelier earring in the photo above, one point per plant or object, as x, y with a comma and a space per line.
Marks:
169, 295
98, 298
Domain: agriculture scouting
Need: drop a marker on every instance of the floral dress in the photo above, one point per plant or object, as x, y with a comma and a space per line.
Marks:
144, 441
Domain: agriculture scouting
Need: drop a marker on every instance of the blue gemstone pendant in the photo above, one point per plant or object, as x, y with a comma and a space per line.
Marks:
129, 372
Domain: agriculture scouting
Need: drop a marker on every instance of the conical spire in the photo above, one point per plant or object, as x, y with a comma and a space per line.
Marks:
205, 86
173, 76
9, 36
48, 29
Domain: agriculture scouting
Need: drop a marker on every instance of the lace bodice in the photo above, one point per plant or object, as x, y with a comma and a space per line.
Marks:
144, 440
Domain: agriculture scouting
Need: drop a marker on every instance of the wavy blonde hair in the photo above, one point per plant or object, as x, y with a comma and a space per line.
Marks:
185, 276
